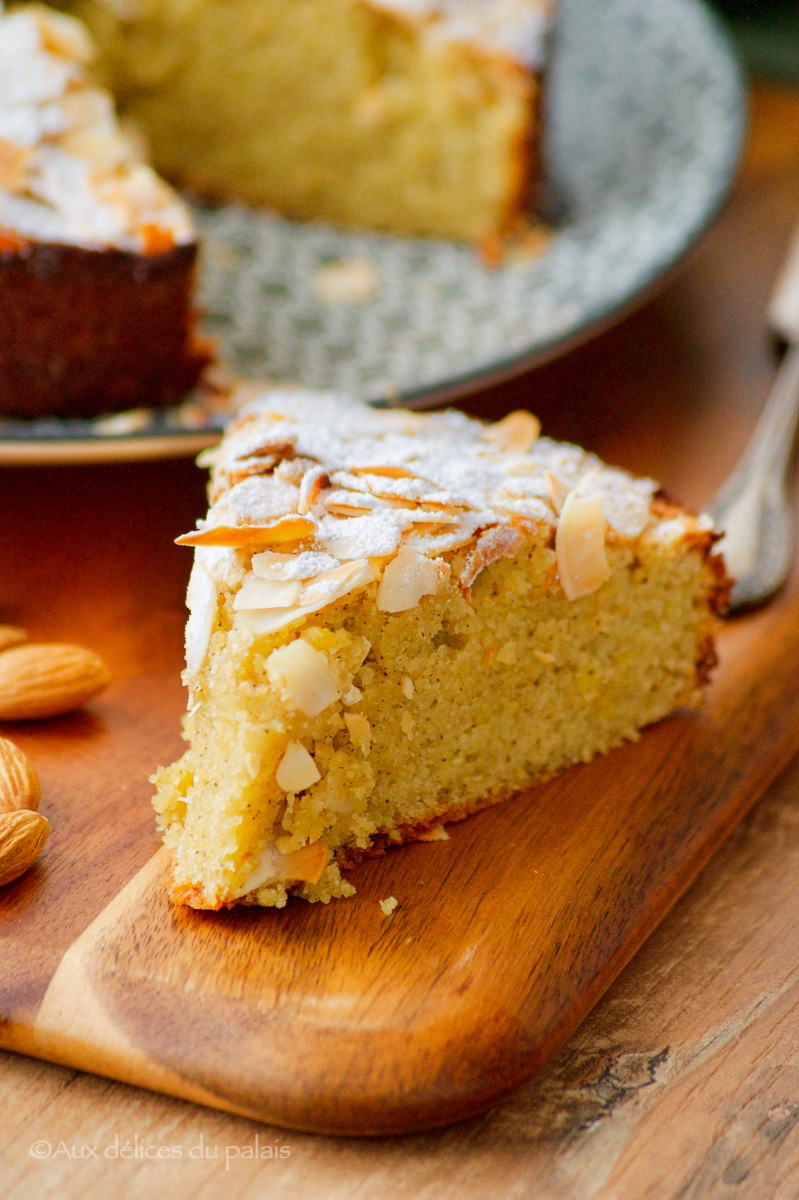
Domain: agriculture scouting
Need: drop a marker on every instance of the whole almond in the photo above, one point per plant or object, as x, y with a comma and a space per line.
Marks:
22, 836
48, 679
19, 783
11, 635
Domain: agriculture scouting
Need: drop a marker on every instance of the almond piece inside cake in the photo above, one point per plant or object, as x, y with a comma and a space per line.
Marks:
399, 619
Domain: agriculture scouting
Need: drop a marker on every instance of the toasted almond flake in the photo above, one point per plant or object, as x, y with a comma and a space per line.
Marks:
270, 564
332, 585
387, 472
347, 510
201, 601
14, 163
324, 589
580, 546
556, 490
296, 770
62, 35
304, 676
288, 529
500, 541
490, 654
258, 593
312, 485
360, 731
437, 833
407, 687
405, 580
516, 433
352, 696
441, 506
388, 906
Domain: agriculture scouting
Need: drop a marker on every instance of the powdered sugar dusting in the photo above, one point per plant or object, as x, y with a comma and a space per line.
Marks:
67, 172
393, 483
516, 28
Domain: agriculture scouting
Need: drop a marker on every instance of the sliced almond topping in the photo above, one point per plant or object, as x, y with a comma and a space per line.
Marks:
304, 676
405, 580
271, 564
332, 585
516, 433
556, 490
580, 546
348, 510
501, 541
441, 506
312, 485
63, 35
386, 472
353, 695
267, 593
360, 731
14, 163
201, 601
288, 529
324, 589
296, 770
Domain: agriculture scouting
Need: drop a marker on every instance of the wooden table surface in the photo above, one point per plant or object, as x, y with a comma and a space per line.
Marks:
684, 1081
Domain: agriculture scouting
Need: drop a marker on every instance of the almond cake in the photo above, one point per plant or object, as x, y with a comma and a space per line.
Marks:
97, 254
398, 619
416, 116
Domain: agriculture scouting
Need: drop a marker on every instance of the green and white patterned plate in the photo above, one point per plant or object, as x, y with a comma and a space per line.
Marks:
643, 127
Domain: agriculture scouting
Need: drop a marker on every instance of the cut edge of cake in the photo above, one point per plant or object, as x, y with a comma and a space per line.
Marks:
361, 578
418, 117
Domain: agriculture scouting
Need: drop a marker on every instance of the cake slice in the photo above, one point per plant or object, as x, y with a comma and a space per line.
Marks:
399, 619
97, 254
417, 116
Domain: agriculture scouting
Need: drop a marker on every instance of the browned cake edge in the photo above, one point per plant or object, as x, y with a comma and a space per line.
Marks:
95, 331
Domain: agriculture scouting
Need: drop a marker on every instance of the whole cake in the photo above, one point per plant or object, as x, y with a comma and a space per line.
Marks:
399, 619
418, 116
97, 254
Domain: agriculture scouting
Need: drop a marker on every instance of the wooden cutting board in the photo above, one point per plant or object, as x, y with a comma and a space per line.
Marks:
337, 1018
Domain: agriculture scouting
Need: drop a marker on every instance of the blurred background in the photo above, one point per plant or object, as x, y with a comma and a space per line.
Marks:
767, 34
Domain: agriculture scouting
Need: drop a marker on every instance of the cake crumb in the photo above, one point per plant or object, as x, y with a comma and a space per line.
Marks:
346, 281
388, 906
543, 657
435, 834
407, 687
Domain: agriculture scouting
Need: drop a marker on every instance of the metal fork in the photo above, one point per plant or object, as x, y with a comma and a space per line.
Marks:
754, 505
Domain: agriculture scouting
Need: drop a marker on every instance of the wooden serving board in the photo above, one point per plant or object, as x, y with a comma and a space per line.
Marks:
337, 1018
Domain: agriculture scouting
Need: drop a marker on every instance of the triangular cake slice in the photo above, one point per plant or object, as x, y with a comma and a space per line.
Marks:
399, 619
